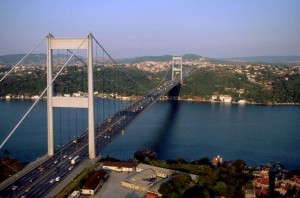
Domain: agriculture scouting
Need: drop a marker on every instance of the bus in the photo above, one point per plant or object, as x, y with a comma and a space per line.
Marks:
75, 159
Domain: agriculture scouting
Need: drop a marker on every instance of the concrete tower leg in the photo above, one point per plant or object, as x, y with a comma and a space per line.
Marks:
177, 68
91, 124
49, 98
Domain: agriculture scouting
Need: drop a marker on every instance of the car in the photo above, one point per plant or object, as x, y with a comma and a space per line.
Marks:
70, 157
51, 181
57, 179
65, 156
71, 167
56, 161
28, 189
14, 187
41, 169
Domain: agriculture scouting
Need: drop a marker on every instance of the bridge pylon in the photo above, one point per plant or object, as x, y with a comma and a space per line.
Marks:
70, 102
177, 68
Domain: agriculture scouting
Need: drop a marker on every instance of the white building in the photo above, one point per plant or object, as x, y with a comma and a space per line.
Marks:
242, 102
160, 172
225, 98
118, 166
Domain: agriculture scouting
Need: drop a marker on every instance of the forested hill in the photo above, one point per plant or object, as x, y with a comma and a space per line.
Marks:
159, 58
13, 59
204, 83
40, 58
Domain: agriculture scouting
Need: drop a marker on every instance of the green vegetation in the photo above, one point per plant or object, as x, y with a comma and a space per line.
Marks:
74, 79
8, 166
228, 180
287, 88
268, 87
204, 83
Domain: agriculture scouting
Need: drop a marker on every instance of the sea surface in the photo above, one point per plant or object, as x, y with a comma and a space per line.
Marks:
256, 134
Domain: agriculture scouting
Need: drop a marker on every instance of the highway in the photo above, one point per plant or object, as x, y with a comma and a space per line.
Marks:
44, 177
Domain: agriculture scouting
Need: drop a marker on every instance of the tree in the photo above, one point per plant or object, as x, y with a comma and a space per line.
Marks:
220, 188
165, 188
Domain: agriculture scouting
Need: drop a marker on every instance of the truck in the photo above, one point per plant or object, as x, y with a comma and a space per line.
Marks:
75, 159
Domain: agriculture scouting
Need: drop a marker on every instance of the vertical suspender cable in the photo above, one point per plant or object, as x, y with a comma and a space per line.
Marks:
60, 138
103, 89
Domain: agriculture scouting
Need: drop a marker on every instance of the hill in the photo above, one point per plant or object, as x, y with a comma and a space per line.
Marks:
158, 58
40, 58
12, 59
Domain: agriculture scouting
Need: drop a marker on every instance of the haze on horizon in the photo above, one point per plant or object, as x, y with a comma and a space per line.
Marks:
217, 29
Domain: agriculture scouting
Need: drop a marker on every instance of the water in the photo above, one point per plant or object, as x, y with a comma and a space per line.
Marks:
255, 134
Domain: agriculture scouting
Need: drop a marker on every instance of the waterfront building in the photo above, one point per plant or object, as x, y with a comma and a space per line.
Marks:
118, 166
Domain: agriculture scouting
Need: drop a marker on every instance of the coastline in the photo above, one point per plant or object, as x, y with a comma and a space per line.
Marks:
180, 99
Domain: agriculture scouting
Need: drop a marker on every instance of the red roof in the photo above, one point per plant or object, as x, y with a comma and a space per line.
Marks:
95, 179
263, 191
119, 164
151, 195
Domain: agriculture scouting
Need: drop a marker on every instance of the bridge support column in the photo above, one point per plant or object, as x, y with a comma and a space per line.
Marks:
91, 122
71, 102
177, 68
49, 98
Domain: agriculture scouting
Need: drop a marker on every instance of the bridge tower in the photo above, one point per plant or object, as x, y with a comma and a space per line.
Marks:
70, 102
177, 68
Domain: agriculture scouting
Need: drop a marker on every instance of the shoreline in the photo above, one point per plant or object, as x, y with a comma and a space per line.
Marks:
183, 100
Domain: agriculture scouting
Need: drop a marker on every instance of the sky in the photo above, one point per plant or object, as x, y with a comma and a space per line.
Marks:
131, 28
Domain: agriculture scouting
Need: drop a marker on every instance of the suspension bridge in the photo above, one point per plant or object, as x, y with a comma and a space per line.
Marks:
33, 181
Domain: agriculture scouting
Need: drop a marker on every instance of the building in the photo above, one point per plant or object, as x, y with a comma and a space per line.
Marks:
225, 98
147, 179
151, 195
214, 97
141, 181
160, 172
242, 102
217, 160
94, 182
75, 194
118, 166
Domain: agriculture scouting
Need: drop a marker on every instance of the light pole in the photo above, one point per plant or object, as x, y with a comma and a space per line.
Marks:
60, 149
